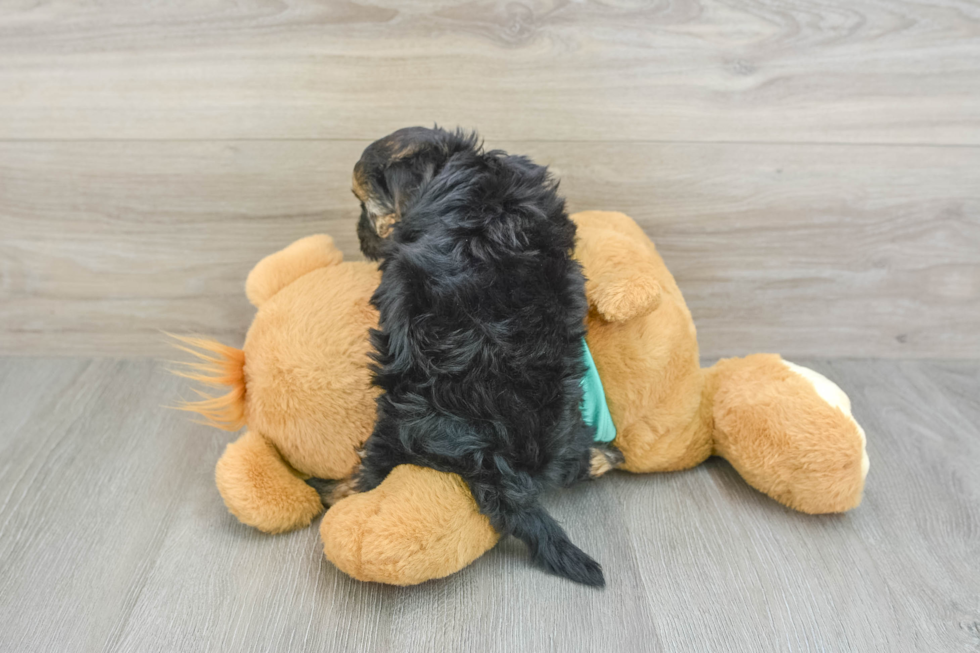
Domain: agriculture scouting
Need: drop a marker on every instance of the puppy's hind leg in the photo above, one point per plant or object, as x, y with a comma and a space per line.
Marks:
596, 461
603, 458
332, 491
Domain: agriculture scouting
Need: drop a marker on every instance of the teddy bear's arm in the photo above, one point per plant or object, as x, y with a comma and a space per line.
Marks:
621, 267
261, 490
278, 270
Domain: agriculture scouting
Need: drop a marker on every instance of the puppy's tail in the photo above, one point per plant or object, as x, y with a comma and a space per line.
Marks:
218, 365
551, 548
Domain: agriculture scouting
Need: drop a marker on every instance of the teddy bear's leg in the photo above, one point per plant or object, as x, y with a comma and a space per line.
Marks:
418, 524
789, 432
261, 489
279, 269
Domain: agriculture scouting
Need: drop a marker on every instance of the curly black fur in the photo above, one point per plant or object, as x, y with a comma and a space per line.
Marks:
482, 314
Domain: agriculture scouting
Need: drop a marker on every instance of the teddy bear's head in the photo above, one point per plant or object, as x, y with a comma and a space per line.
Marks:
302, 380
307, 381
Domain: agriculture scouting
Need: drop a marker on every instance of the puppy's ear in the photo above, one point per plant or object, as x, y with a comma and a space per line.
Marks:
393, 170
411, 141
406, 177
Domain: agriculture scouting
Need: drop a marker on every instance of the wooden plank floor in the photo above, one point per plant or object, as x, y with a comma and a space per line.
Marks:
810, 171
113, 538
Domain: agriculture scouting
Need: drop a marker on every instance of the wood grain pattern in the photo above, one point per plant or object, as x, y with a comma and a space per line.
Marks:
810, 171
113, 538
803, 249
860, 71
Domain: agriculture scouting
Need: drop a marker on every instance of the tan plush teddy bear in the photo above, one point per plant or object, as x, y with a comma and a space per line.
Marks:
302, 385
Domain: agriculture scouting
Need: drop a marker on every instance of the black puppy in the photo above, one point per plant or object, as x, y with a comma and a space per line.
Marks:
480, 348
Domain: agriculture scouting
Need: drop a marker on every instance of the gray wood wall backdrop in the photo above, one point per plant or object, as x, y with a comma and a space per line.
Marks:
810, 171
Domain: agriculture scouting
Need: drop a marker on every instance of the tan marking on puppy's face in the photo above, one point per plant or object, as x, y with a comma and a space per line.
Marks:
374, 213
359, 185
384, 224
383, 180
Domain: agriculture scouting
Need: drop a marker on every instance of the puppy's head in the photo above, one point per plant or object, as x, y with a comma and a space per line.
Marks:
392, 172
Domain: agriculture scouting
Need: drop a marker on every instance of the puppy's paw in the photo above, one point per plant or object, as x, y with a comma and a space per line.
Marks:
332, 491
603, 459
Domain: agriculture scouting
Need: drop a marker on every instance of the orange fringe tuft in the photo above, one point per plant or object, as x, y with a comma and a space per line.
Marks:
222, 366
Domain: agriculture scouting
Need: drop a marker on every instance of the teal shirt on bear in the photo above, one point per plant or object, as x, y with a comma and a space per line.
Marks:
595, 410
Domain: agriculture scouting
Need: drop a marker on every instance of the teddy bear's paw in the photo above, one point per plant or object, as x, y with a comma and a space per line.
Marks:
623, 299
261, 490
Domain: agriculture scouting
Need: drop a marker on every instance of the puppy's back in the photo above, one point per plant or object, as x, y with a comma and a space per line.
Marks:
482, 313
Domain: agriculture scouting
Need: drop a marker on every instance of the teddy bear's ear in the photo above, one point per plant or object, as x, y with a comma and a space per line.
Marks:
276, 271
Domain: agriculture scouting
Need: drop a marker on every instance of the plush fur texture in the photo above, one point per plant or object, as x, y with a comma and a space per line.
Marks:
418, 525
216, 365
278, 270
769, 422
645, 347
300, 382
479, 350
789, 432
783, 458
308, 387
261, 489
